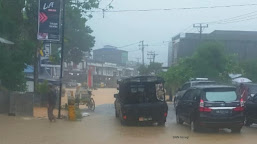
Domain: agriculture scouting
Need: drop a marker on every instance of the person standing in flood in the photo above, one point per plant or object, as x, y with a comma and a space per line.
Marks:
52, 96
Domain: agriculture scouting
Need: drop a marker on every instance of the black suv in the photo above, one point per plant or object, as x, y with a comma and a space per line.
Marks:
141, 99
211, 106
187, 85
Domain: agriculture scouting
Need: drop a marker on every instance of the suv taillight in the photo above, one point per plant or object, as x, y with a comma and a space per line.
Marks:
238, 109
241, 107
202, 108
242, 102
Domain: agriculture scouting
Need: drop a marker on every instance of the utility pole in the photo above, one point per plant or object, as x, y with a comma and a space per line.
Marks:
61, 70
151, 56
36, 62
143, 51
154, 55
201, 26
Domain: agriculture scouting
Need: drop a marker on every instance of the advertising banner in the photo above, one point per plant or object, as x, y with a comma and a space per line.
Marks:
49, 20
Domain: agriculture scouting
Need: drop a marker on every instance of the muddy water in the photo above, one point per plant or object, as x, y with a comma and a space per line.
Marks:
102, 127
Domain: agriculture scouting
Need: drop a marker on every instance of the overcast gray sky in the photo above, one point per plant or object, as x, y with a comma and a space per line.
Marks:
119, 29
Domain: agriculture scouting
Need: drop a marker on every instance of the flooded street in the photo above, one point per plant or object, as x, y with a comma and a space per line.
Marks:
102, 127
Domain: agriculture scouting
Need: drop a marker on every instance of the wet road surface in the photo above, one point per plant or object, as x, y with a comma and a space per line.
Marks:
101, 127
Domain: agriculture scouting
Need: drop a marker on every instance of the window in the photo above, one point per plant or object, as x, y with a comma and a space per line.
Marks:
252, 89
137, 89
133, 90
226, 96
195, 94
186, 86
187, 95
255, 98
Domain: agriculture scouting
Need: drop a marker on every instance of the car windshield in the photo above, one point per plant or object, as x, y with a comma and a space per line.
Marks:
224, 96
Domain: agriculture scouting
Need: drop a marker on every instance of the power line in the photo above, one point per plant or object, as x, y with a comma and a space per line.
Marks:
159, 44
192, 28
186, 29
243, 17
239, 21
235, 19
134, 50
171, 9
121, 47
108, 6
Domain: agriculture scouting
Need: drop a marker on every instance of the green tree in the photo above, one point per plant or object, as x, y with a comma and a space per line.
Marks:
179, 73
78, 38
152, 69
18, 23
208, 61
13, 57
155, 68
250, 69
143, 70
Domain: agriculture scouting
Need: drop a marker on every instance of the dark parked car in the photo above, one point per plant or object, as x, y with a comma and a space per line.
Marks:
141, 99
211, 106
251, 110
247, 90
187, 85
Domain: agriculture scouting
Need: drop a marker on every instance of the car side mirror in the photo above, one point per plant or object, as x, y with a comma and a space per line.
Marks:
254, 98
250, 98
116, 95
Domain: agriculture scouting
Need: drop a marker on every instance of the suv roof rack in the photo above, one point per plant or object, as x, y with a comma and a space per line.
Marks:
199, 79
140, 79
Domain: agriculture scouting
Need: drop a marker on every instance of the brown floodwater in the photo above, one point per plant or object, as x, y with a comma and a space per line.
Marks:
102, 127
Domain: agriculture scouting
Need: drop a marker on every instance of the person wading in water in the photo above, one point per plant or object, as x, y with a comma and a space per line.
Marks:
51, 102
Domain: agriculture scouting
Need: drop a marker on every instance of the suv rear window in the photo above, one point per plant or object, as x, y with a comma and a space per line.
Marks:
226, 96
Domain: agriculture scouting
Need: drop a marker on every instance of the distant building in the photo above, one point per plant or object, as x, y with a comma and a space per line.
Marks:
170, 54
111, 54
242, 43
96, 72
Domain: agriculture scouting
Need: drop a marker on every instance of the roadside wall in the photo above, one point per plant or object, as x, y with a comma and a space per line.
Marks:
21, 104
4, 103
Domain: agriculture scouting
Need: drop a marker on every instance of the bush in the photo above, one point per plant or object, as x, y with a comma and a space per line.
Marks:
43, 88
78, 113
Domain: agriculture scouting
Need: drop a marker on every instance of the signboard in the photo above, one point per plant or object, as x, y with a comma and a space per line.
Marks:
49, 20
50, 66
45, 57
46, 52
